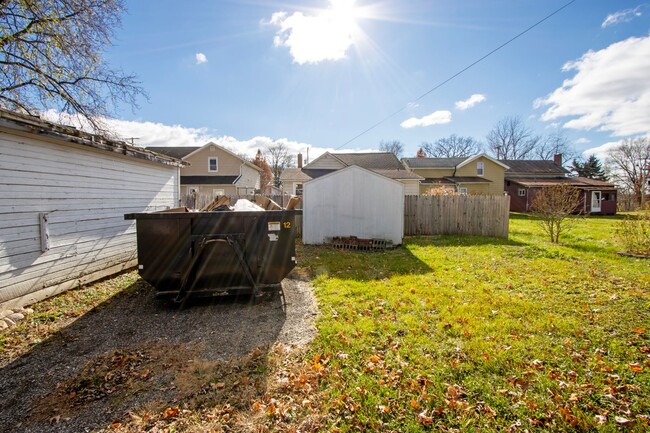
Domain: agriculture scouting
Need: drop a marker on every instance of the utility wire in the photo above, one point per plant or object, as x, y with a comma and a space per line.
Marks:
457, 73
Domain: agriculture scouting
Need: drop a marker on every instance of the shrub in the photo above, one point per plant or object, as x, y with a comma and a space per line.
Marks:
634, 233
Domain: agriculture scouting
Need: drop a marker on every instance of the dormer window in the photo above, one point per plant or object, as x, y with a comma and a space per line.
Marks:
213, 164
479, 168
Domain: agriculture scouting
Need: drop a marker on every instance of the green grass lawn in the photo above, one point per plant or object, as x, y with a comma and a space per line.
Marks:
484, 334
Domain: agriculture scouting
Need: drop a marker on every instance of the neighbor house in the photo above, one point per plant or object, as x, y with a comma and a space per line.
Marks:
383, 163
477, 174
214, 171
525, 178
64, 196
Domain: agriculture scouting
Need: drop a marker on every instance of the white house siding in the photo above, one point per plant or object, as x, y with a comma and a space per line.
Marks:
353, 202
84, 193
250, 178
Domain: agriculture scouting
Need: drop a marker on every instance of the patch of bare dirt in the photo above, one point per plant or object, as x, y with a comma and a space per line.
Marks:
136, 360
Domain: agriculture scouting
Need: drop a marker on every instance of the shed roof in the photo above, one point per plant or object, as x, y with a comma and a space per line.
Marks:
294, 174
69, 134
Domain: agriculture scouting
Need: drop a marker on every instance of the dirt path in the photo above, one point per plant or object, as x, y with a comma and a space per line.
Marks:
135, 351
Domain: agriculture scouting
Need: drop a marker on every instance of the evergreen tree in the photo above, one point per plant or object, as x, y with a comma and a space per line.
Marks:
592, 168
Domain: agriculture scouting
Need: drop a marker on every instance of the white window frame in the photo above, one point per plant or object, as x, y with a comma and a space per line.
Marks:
462, 190
218, 192
480, 168
521, 192
216, 163
298, 187
190, 189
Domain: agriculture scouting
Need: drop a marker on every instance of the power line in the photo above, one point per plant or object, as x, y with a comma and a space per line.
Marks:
458, 73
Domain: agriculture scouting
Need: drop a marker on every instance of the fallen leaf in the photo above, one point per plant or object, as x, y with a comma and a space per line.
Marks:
635, 367
638, 330
600, 419
622, 421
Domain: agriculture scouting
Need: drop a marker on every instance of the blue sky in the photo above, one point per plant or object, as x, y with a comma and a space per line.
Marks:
318, 73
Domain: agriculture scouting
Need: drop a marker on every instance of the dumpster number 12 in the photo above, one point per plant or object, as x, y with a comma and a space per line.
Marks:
286, 224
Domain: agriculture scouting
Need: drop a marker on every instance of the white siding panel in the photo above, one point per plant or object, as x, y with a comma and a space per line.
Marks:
411, 187
85, 193
250, 178
353, 202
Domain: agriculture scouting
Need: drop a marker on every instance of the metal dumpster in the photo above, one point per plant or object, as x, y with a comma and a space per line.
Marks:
183, 253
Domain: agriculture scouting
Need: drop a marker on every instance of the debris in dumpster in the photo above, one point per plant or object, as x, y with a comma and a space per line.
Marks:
217, 204
355, 243
293, 202
266, 203
244, 205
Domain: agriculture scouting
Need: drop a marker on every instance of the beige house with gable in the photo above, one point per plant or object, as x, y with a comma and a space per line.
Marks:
474, 175
214, 171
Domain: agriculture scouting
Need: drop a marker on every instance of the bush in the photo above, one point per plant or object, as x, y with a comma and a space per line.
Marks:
634, 233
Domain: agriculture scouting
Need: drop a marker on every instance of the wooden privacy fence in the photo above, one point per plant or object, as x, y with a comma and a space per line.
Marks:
480, 215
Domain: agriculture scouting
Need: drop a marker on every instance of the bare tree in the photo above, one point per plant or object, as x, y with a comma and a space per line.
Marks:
628, 164
554, 206
454, 146
51, 57
512, 139
394, 146
556, 143
278, 157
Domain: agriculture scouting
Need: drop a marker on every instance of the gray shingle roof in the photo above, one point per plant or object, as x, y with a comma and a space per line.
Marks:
433, 162
295, 174
533, 167
208, 180
174, 151
371, 160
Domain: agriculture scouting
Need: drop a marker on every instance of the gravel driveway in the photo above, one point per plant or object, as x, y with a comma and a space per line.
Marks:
139, 336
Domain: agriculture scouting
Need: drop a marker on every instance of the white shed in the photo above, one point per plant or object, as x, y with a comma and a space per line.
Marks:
63, 197
353, 201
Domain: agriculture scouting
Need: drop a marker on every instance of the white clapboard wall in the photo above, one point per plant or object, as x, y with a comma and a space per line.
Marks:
62, 209
353, 202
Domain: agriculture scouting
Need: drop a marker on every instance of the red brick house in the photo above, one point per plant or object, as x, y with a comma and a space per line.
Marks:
525, 178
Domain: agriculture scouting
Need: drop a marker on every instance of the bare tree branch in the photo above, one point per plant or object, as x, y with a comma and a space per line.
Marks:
51, 57
453, 146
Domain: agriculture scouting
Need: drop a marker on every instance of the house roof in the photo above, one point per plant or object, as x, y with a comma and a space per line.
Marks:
534, 167
467, 179
63, 133
370, 160
449, 162
174, 151
294, 174
433, 162
208, 180
399, 174
578, 182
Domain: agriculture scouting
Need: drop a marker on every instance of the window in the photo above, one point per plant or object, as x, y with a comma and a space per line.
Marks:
479, 168
299, 189
213, 164
191, 190
522, 192
217, 192
462, 190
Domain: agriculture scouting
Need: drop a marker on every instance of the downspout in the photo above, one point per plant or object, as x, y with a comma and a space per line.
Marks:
178, 185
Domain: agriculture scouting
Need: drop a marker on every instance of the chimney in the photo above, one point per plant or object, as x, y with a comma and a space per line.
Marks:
300, 160
557, 159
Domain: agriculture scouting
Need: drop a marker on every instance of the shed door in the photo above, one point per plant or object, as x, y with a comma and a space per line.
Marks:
596, 198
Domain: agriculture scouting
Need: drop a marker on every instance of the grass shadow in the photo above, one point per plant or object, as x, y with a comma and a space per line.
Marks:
461, 241
134, 354
319, 260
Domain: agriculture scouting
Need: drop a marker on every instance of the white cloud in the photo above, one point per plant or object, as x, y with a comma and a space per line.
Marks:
145, 134
436, 118
622, 16
582, 140
476, 98
200, 58
610, 90
315, 38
